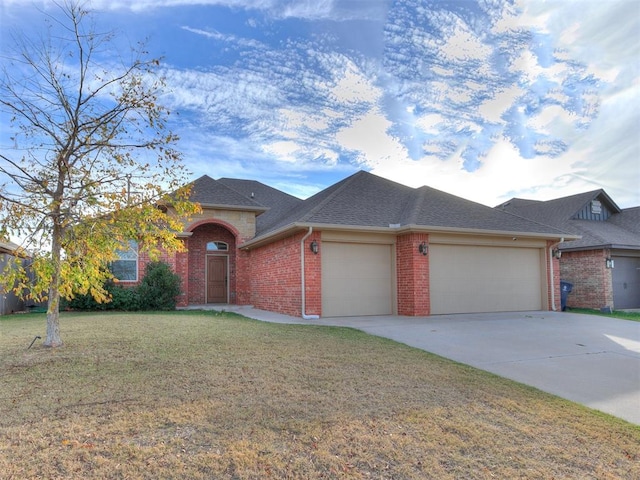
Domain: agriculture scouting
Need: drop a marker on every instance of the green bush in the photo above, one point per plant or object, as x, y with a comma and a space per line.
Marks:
82, 302
159, 287
157, 291
124, 298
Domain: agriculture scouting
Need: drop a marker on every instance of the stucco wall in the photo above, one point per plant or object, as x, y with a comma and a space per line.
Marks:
243, 222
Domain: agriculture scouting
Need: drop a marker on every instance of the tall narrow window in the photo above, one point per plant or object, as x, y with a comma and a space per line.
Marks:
125, 269
217, 246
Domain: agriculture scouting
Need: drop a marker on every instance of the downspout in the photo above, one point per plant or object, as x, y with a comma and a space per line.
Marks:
553, 285
302, 282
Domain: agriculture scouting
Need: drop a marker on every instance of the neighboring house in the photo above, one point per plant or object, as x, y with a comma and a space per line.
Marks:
604, 264
364, 246
9, 302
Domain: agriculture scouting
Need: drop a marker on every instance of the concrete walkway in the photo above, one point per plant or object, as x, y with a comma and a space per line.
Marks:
588, 359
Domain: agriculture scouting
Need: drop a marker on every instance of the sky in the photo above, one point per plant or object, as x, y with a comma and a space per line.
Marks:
483, 99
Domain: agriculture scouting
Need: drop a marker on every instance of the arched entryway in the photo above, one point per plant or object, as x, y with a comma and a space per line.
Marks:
212, 264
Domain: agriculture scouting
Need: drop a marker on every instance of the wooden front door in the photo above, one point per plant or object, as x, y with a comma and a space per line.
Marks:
217, 279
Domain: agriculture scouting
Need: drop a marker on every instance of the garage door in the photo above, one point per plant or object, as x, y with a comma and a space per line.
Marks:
626, 282
356, 279
466, 279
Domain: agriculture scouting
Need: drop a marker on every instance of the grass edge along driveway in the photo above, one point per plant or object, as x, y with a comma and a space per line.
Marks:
207, 395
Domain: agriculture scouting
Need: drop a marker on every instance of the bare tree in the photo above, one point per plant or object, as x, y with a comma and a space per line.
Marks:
91, 158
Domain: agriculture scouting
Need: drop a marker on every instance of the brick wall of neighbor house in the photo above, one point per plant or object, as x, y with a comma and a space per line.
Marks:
413, 275
275, 279
592, 281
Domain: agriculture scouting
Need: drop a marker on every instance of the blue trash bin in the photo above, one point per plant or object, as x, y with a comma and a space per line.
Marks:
565, 290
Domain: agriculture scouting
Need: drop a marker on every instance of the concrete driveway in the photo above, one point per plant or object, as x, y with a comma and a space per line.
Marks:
589, 359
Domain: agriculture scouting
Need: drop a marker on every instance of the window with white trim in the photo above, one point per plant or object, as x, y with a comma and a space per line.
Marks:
125, 269
217, 246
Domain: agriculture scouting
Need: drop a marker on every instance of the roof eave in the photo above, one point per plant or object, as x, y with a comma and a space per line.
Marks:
610, 246
244, 208
393, 229
482, 231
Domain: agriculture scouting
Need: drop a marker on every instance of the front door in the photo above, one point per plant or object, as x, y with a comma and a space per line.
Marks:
217, 279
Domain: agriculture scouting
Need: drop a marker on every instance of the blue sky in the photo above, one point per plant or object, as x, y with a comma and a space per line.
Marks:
483, 99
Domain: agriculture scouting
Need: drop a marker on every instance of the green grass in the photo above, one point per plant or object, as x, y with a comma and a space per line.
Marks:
216, 396
635, 316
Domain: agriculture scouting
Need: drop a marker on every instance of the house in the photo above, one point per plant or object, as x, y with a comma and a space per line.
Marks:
604, 264
9, 302
364, 246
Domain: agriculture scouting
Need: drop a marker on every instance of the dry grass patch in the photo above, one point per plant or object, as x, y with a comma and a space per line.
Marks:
197, 395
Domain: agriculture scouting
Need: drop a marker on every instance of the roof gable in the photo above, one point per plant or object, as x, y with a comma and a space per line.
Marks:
592, 215
560, 210
211, 193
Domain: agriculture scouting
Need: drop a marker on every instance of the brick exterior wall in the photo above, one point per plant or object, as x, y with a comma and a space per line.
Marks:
182, 269
313, 276
144, 260
412, 275
197, 261
243, 277
269, 277
190, 264
592, 281
275, 283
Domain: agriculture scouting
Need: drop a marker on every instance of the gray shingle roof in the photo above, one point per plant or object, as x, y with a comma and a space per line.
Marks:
629, 219
207, 191
366, 200
620, 230
278, 202
362, 200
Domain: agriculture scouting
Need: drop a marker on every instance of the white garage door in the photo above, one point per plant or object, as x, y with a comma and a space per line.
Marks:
466, 279
356, 279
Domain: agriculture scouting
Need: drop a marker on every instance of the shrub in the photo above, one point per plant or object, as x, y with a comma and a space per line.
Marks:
157, 291
124, 298
83, 302
159, 287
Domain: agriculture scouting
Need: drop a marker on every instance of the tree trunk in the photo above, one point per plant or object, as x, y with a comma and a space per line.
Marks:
53, 319
53, 304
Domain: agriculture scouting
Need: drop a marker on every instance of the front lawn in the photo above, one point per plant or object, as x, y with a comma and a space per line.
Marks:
623, 314
195, 395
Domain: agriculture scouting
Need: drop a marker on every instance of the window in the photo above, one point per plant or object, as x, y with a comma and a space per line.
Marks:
217, 246
125, 268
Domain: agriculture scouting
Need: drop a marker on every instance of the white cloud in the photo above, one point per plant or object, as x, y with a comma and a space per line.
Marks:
369, 137
354, 86
493, 108
604, 36
463, 45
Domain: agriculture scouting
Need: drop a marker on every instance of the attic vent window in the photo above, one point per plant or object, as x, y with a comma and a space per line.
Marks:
596, 207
